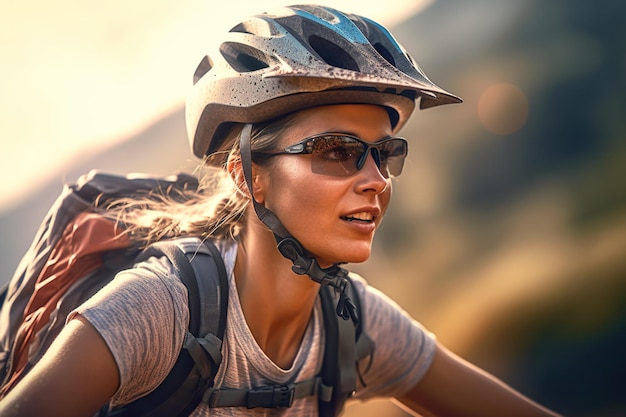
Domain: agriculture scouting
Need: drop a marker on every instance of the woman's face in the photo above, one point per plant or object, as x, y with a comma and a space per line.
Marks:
333, 217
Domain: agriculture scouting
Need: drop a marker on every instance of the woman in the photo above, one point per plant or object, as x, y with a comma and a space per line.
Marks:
300, 108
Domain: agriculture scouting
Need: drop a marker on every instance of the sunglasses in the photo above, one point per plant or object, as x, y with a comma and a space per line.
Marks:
342, 155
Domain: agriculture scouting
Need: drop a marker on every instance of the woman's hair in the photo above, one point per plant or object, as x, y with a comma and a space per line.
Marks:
215, 209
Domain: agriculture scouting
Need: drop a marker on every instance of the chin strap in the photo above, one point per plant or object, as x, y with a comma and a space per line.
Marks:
333, 276
303, 262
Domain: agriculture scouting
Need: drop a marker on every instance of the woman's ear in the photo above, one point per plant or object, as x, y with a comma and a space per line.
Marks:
235, 170
259, 183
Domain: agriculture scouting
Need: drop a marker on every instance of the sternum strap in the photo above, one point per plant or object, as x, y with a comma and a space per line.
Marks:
273, 396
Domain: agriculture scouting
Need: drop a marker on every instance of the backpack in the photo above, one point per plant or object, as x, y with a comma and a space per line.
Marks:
89, 250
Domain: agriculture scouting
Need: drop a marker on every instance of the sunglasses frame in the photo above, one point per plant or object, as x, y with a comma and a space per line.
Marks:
306, 147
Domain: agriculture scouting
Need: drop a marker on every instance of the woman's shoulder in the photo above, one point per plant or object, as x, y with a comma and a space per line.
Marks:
371, 294
358, 281
364, 290
148, 283
148, 280
155, 280
157, 272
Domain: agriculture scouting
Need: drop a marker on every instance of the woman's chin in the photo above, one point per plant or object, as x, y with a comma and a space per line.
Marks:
355, 256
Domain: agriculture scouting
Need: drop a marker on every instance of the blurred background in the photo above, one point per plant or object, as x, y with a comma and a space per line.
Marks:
507, 233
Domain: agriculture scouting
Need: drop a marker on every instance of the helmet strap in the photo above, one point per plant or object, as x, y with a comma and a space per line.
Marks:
303, 262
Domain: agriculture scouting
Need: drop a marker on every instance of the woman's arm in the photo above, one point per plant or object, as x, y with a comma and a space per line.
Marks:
75, 377
454, 387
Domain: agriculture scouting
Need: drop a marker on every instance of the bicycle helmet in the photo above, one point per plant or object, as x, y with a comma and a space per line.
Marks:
298, 57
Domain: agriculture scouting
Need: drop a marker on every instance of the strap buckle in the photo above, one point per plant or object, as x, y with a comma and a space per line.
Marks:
276, 396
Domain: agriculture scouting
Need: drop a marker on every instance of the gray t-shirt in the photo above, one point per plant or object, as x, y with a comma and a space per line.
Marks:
143, 315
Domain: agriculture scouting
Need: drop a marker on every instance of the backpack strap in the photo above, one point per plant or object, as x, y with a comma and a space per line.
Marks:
346, 343
201, 268
364, 344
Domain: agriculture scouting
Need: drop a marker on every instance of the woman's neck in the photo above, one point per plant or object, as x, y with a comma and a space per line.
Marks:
276, 302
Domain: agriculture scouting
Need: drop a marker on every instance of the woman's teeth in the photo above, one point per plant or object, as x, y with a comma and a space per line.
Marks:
364, 217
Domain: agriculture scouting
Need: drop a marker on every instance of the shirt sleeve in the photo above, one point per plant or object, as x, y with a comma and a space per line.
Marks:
403, 350
142, 316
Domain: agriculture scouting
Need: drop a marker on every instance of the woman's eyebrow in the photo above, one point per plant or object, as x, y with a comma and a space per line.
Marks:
356, 135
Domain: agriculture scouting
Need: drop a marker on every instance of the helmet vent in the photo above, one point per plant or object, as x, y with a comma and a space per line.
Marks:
241, 28
243, 58
203, 67
332, 54
384, 52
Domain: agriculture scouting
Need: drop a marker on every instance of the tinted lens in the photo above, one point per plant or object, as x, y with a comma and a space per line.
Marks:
335, 155
392, 155
339, 155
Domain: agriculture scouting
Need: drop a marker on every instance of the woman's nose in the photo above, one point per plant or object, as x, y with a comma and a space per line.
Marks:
373, 177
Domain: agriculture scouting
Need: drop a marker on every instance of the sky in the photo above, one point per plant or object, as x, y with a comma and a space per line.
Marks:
78, 76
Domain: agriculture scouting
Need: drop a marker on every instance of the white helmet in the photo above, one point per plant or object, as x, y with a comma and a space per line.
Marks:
303, 56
